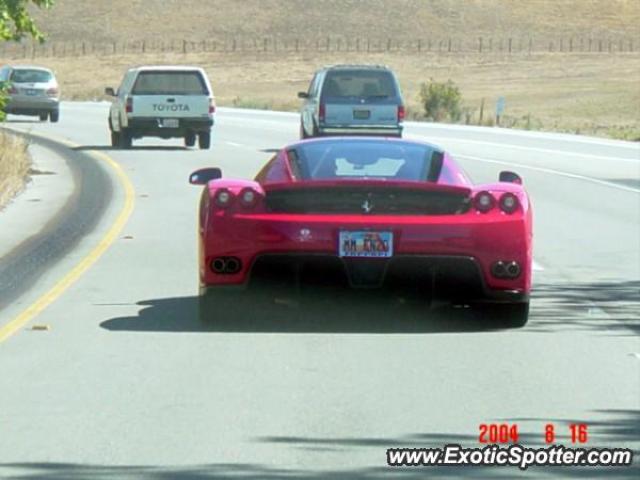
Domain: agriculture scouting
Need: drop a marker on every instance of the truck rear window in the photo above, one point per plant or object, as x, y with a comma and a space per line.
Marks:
359, 83
170, 83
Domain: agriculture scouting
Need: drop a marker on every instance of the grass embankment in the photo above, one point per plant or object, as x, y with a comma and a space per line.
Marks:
14, 166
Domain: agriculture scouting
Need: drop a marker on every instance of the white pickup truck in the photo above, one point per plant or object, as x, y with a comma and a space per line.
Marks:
162, 101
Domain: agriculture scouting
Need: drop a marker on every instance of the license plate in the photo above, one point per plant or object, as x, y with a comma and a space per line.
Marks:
361, 114
365, 244
32, 92
170, 123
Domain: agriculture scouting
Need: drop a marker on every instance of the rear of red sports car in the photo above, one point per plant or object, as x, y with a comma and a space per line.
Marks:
369, 213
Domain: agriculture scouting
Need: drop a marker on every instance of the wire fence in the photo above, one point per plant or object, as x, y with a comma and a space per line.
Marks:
450, 45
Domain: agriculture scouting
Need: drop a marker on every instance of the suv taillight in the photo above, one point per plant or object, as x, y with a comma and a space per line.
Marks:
212, 106
52, 92
401, 113
321, 112
129, 105
13, 90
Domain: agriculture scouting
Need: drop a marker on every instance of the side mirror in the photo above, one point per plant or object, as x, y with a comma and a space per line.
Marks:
303, 95
110, 91
204, 176
510, 177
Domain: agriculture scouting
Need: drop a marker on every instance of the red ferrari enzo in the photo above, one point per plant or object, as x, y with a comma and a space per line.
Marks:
369, 213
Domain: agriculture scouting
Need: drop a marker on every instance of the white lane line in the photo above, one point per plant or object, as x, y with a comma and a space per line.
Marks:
537, 267
234, 144
526, 134
554, 172
531, 149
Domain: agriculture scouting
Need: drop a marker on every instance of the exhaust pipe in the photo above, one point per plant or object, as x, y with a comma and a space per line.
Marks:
513, 269
228, 265
499, 270
219, 265
505, 269
233, 265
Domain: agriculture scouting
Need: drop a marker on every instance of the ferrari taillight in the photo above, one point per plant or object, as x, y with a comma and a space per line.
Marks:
401, 113
484, 201
249, 198
223, 198
508, 203
129, 105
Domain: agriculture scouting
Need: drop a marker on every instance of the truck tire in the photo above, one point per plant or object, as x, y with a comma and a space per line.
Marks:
125, 139
115, 139
54, 116
204, 140
190, 139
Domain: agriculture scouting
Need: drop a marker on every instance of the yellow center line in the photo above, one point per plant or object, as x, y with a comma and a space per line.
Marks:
81, 267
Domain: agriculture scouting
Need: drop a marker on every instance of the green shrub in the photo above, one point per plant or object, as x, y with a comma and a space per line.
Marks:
3, 100
441, 101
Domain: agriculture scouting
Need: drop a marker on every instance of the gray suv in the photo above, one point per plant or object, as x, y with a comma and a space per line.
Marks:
352, 100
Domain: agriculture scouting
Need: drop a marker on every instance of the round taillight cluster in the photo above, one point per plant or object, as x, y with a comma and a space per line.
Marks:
248, 197
508, 203
485, 202
223, 198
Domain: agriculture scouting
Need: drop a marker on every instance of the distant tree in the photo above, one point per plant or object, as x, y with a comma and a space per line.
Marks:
16, 21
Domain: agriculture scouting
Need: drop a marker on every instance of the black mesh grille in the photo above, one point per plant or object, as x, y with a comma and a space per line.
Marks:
379, 201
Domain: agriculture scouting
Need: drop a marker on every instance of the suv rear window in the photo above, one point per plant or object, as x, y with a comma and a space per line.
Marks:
170, 83
30, 76
359, 83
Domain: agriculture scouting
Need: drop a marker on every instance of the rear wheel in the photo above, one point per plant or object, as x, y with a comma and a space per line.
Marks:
204, 140
54, 116
43, 117
505, 315
190, 139
303, 134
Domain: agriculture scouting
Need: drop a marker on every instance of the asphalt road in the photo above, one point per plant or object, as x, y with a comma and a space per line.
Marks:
125, 384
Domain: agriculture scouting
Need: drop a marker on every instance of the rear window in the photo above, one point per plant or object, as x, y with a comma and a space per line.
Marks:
362, 159
30, 76
170, 83
359, 83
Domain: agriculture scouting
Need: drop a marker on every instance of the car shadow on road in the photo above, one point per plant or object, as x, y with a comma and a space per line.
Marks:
134, 148
363, 314
607, 428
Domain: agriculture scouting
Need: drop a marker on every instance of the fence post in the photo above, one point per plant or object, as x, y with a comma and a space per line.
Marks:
571, 44
510, 41
530, 45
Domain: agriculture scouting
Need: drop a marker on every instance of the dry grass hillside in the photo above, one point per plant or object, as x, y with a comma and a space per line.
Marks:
198, 19
575, 64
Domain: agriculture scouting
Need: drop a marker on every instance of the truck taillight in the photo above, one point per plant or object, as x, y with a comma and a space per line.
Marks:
129, 105
212, 106
321, 112
401, 113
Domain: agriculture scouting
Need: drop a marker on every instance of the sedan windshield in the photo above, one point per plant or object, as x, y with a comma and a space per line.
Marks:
374, 159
